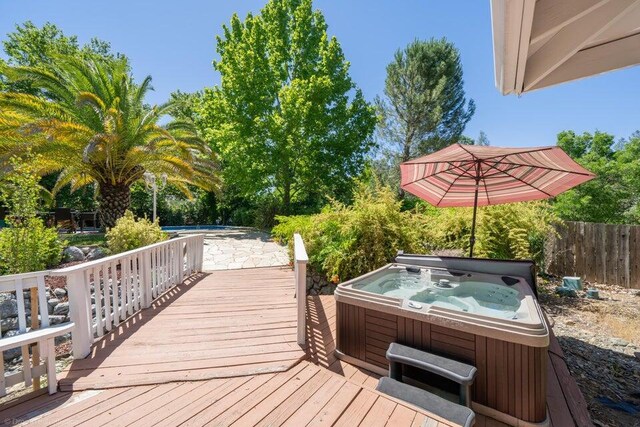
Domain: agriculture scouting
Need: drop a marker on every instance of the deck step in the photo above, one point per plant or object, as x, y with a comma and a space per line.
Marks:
450, 411
453, 370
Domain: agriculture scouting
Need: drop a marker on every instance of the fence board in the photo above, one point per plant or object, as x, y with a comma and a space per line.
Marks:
601, 253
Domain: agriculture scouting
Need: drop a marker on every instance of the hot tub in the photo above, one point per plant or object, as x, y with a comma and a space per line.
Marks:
491, 320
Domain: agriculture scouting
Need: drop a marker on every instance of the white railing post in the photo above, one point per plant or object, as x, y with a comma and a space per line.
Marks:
300, 260
80, 313
200, 252
147, 279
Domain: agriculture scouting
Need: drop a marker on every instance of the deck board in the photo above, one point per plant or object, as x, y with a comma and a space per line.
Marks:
227, 323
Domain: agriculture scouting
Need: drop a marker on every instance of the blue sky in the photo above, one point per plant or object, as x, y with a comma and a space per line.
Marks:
174, 41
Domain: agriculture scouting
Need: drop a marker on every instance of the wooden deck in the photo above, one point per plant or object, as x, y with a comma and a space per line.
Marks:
306, 395
224, 324
221, 350
566, 406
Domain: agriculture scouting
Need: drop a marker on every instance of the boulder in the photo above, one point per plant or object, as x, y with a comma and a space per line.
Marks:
72, 253
62, 339
8, 305
60, 292
52, 303
56, 319
62, 308
97, 253
12, 353
8, 324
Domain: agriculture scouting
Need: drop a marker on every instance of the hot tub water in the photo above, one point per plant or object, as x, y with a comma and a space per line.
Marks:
460, 293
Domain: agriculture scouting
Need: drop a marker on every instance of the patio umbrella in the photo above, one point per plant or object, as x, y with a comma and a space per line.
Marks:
472, 175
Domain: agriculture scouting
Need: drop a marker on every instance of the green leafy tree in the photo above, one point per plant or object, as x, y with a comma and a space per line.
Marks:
424, 107
91, 125
483, 140
287, 119
627, 160
33, 46
608, 197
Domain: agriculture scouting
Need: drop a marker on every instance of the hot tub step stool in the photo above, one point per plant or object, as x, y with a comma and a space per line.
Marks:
459, 372
451, 411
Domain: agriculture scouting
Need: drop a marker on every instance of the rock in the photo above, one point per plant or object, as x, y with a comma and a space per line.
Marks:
62, 308
56, 319
60, 292
62, 339
72, 253
97, 253
8, 306
8, 324
13, 352
619, 342
52, 303
86, 250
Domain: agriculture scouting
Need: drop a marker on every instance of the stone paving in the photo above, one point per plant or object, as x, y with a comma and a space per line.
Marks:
233, 248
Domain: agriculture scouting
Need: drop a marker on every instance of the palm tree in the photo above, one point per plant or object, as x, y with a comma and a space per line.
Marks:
91, 125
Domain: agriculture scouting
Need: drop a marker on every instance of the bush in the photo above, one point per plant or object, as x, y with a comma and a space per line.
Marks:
346, 241
26, 245
129, 233
30, 247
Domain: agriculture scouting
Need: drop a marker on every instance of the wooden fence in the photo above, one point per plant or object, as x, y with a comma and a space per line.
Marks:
601, 253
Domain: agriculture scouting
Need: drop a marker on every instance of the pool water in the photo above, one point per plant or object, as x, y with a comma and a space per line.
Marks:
455, 293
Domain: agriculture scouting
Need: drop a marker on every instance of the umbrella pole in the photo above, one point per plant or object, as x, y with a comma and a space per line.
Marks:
472, 239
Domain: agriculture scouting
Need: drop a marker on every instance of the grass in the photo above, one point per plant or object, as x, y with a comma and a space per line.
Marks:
91, 239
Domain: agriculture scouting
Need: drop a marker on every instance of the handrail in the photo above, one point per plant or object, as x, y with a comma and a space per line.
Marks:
89, 264
300, 259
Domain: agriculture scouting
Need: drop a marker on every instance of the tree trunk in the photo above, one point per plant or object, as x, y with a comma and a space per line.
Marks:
286, 197
406, 155
113, 201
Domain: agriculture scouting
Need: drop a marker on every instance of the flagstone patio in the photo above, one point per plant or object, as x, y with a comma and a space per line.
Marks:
234, 248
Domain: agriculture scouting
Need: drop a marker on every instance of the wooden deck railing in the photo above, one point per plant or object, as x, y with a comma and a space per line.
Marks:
300, 260
18, 284
104, 292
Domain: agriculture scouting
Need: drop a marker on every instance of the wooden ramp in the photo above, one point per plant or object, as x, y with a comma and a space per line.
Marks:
224, 324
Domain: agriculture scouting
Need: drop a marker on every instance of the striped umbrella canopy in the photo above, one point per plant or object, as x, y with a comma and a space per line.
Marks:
472, 175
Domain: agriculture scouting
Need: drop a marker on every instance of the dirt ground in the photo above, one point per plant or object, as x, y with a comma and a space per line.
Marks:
601, 343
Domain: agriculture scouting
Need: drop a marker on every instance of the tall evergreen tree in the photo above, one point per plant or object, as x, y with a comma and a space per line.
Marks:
287, 119
424, 107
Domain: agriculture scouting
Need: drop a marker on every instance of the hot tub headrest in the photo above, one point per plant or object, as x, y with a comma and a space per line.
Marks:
524, 269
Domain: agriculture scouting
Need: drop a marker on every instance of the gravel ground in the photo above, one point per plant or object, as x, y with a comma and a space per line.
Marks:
601, 344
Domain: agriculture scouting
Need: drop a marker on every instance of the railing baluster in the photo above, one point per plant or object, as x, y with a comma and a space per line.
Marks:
106, 289
22, 327
115, 289
98, 297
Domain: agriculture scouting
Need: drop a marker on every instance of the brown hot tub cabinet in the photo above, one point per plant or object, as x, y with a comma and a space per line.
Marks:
511, 358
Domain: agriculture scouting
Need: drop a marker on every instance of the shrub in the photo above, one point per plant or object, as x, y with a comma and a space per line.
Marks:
26, 244
515, 231
30, 247
346, 241
129, 233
